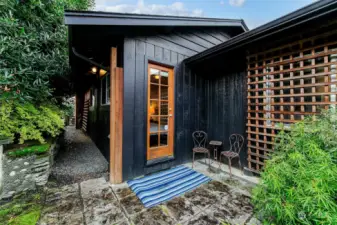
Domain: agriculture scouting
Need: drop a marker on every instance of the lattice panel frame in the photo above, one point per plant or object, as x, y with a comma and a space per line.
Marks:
284, 85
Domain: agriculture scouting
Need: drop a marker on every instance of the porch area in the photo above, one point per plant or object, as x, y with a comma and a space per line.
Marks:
223, 200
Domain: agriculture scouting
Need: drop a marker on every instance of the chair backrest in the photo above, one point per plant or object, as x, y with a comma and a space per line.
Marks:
236, 142
199, 138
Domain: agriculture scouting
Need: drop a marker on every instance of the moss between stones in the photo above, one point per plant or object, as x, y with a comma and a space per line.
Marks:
24, 209
29, 150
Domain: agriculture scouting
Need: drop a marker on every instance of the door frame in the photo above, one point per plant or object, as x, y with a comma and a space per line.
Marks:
173, 66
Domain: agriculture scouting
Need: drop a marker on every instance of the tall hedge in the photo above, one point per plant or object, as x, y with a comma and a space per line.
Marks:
33, 47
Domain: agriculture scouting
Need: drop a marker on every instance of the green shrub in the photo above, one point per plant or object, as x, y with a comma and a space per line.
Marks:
36, 149
34, 48
29, 122
299, 183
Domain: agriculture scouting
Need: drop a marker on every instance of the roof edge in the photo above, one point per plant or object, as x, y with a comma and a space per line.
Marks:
287, 21
111, 18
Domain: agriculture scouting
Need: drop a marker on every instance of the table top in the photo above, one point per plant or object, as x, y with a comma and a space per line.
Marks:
217, 143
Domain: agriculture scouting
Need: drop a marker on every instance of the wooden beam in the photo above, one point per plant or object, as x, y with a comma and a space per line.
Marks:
116, 119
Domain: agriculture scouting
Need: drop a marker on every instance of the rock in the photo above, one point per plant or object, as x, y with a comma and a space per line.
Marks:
16, 167
40, 169
26, 163
41, 161
254, 221
12, 173
17, 182
41, 165
23, 170
7, 195
41, 180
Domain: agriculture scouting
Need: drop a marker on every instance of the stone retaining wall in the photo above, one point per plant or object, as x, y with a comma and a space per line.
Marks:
26, 173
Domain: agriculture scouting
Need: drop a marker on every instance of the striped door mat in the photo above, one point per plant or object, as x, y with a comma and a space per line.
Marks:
160, 187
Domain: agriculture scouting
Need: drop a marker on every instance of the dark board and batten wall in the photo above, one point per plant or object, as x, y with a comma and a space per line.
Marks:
190, 94
226, 108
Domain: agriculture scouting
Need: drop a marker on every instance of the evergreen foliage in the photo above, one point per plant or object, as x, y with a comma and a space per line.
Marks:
27, 122
33, 59
299, 183
34, 47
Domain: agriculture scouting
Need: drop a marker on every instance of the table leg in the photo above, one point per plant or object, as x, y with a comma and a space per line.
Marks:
215, 154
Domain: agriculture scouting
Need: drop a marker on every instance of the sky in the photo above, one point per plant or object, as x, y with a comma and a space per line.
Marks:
254, 12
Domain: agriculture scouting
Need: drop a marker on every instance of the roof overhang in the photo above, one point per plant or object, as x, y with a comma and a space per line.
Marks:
303, 15
127, 19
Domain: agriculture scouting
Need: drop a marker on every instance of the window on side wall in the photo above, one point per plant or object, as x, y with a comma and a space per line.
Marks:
105, 87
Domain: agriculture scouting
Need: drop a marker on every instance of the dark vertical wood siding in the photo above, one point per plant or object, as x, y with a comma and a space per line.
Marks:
190, 95
226, 108
98, 125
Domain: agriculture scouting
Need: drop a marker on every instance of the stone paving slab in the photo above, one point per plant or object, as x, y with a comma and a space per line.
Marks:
132, 205
123, 192
202, 198
96, 202
100, 205
202, 219
153, 216
62, 205
181, 209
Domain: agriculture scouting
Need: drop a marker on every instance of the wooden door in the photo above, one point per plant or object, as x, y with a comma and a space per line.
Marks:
160, 113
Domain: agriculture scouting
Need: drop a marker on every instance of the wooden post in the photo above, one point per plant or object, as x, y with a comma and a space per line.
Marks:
116, 119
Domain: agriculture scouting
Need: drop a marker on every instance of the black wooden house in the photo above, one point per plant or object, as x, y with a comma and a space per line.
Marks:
144, 83
161, 106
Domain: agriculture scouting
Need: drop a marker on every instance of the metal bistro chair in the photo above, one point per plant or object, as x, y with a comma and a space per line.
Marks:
200, 142
236, 142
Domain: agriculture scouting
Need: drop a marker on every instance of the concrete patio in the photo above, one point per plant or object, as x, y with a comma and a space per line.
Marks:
95, 201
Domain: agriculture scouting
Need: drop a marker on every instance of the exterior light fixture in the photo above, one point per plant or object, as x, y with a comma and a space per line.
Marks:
102, 72
94, 69
157, 77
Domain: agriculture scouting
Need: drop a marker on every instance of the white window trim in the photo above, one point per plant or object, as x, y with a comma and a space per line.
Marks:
106, 91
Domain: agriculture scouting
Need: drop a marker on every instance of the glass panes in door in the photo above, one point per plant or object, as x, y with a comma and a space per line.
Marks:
160, 111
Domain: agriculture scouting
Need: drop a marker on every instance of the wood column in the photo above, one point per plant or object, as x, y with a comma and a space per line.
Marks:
116, 119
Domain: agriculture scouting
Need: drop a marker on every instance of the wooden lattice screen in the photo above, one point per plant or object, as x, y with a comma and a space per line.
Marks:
285, 84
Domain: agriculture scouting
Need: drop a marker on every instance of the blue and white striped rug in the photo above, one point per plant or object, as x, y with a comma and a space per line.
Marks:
157, 188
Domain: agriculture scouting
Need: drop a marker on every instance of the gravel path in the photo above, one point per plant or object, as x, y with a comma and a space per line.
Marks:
78, 160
